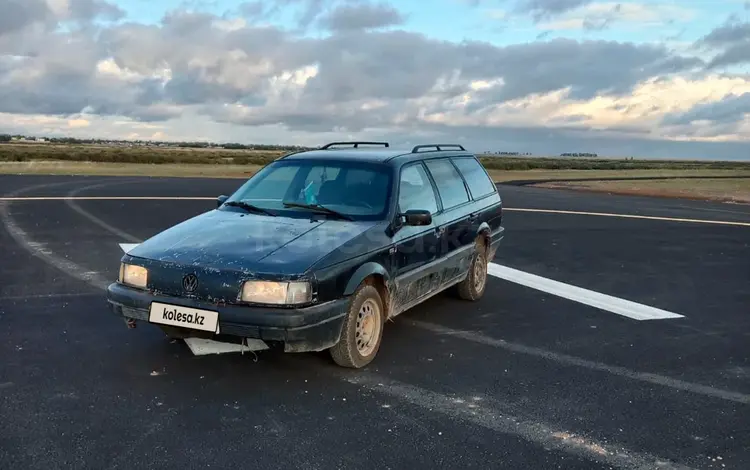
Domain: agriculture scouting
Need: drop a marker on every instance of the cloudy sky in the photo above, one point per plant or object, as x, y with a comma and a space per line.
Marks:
629, 78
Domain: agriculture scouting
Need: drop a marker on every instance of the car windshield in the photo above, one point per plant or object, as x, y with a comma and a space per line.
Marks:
358, 190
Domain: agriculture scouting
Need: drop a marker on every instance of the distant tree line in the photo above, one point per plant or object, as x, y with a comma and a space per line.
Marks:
579, 154
510, 154
213, 145
227, 145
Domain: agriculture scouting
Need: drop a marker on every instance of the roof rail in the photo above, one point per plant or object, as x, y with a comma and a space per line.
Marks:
437, 147
355, 144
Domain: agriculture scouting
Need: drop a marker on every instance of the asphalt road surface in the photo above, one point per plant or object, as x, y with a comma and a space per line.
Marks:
523, 379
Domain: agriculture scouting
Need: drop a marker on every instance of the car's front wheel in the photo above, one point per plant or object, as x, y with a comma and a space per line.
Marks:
362, 330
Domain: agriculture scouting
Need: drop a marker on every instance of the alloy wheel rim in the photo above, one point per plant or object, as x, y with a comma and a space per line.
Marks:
368, 327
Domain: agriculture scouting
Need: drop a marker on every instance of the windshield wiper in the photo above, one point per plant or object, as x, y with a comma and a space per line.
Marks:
249, 207
319, 208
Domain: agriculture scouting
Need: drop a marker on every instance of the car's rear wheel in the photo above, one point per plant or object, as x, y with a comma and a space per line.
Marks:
362, 330
473, 287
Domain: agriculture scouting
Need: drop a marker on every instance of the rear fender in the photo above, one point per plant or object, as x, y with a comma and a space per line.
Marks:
486, 231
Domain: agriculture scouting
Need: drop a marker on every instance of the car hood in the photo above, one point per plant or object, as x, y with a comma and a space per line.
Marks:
249, 243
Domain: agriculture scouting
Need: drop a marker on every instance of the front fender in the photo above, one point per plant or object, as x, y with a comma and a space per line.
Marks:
367, 269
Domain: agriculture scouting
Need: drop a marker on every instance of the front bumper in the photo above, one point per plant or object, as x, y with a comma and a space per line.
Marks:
312, 328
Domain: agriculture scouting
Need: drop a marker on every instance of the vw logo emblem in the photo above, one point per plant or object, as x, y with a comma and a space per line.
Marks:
190, 282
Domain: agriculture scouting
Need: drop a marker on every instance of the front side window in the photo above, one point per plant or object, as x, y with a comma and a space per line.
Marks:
357, 189
449, 183
415, 190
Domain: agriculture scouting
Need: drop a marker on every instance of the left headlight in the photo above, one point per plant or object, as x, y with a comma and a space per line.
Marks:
135, 276
277, 293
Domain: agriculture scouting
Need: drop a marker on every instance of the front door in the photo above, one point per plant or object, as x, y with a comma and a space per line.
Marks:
416, 248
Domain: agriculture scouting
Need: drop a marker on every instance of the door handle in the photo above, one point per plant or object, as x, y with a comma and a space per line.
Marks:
473, 217
440, 230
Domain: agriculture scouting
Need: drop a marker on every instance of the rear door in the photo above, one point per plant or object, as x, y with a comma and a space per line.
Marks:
416, 248
454, 221
486, 207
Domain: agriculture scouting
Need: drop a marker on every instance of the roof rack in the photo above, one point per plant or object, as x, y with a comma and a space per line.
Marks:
355, 144
437, 147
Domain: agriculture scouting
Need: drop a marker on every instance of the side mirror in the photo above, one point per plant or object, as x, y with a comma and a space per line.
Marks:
417, 217
221, 200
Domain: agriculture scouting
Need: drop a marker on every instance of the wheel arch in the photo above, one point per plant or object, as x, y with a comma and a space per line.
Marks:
375, 274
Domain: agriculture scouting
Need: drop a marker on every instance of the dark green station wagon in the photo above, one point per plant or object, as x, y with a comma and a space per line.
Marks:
319, 249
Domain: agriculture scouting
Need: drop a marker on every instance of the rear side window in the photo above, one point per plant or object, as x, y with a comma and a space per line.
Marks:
479, 183
449, 183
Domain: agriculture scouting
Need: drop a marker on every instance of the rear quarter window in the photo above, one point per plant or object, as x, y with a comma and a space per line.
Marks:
449, 183
479, 183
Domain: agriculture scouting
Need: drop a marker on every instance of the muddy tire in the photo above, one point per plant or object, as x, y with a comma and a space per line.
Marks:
362, 330
473, 287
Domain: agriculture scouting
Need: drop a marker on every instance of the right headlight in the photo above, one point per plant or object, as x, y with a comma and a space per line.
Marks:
276, 293
134, 276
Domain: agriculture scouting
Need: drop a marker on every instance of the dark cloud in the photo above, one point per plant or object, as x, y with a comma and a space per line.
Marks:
92, 9
731, 109
307, 12
360, 17
15, 15
547, 66
602, 21
731, 41
212, 66
545, 9
729, 33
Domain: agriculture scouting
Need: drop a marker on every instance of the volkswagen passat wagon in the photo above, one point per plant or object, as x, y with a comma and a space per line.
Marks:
318, 249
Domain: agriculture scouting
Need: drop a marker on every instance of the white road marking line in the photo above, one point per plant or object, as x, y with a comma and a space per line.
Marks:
509, 209
496, 416
612, 304
631, 216
127, 247
568, 360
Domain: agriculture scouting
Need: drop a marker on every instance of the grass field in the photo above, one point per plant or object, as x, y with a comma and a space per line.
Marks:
182, 162
725, 190
187, 156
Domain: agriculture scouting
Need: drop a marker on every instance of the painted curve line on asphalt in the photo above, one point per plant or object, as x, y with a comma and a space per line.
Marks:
70, 200
498, 416
509, 209
568, 360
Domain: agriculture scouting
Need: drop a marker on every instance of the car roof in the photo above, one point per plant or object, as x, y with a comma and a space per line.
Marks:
378, 155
